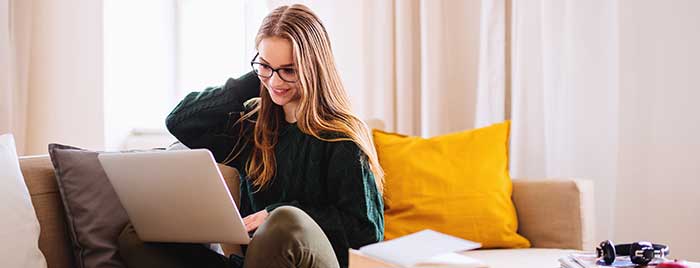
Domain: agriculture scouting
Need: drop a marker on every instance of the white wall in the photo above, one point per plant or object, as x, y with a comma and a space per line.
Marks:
658, 188
65, 84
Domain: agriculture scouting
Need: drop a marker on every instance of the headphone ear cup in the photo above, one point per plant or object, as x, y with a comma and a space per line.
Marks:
647, 252
608, 251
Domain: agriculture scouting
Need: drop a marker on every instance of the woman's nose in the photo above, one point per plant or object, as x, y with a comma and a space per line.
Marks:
275, 80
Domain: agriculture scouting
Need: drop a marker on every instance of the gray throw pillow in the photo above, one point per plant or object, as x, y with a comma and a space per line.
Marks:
94, 215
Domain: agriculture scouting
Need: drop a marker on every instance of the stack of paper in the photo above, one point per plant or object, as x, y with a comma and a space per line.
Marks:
425, 248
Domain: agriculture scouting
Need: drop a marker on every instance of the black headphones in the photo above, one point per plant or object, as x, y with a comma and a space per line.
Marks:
640, 252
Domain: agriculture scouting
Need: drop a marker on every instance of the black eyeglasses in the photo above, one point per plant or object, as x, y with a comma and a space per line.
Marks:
266, 71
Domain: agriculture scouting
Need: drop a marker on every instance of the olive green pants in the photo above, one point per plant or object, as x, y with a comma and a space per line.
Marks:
288, 238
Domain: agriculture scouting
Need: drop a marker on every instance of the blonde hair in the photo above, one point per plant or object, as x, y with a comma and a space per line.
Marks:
324, 107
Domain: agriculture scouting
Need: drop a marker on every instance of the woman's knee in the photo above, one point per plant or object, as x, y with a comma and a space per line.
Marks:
290, 237
288, 220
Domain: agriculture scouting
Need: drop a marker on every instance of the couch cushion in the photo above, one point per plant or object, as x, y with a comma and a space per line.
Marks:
19, 227
94, 214
457, 184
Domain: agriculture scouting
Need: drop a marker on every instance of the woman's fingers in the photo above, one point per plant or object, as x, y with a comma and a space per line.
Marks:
251, 226
249, 223
252, 222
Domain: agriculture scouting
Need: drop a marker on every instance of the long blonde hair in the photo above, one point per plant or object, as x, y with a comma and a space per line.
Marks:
324, 107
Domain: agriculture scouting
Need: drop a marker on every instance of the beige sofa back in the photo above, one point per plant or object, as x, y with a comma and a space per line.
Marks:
54, 241
551, 213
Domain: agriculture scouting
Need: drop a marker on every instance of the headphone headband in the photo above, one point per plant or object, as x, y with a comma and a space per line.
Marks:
660, 250
640, 252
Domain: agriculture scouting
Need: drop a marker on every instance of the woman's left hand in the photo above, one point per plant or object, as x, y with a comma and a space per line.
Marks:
253, 221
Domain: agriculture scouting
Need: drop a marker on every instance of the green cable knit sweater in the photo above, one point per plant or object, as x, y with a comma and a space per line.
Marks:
330, 181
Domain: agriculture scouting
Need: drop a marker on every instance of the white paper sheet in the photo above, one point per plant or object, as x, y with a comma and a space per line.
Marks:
426, 246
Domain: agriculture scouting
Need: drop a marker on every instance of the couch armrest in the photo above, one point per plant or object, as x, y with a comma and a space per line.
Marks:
555, 213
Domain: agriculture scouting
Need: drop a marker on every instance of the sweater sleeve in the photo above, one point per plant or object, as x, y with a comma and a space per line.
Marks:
206, 119
355, 216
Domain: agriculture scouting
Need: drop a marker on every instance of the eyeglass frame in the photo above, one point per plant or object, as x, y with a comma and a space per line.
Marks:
252, 65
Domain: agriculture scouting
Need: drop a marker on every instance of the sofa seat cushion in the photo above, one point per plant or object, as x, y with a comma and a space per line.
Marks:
520, 258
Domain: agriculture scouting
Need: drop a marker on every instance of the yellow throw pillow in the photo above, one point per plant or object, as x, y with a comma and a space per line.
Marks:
457, 184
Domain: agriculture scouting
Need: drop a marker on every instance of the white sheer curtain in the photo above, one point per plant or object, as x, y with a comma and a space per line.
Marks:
491, 92
416, 64
565, 96
15, 47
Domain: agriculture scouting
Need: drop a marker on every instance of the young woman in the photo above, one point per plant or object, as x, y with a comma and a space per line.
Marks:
310, 177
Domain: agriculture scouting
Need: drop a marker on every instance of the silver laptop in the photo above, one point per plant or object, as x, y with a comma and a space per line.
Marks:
175, 196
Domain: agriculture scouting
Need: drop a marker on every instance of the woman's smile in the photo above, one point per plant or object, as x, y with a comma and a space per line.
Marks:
280, 91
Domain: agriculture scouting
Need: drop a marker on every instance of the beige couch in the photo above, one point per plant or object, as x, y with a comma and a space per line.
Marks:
555, 215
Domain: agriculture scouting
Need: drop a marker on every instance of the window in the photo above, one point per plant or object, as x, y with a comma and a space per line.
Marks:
155, 52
